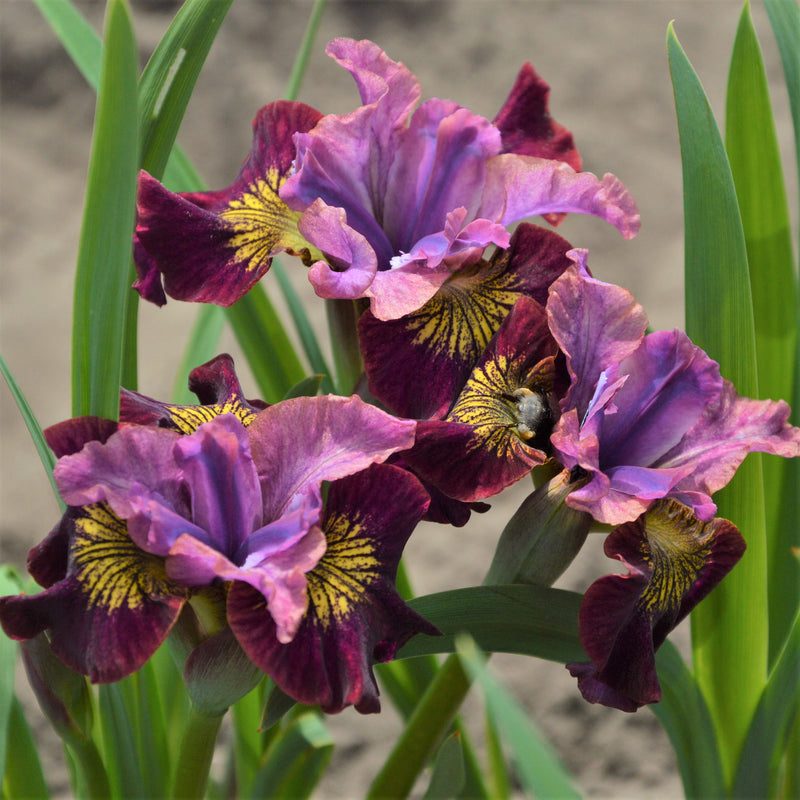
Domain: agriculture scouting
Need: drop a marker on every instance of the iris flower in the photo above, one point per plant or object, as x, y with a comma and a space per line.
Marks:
157, 518
399, 197
674, 560
647, 416
385, 202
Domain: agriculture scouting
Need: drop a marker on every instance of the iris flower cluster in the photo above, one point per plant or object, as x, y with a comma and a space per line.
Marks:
286, 523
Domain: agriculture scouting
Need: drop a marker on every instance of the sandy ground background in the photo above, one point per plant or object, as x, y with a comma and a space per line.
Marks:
606, 63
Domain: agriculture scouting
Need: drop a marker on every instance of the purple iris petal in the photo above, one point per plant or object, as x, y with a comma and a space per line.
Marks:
428, 191
301, 442
647, 416
354, 616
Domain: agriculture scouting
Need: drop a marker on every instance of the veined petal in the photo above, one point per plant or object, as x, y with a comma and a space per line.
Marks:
523, 186
418, 364
596, 325
526, 126
355, 616
213, 246
217, 388
439, 166
729, 429
500, 424
351, 262
299, 443
112, 610
674, 560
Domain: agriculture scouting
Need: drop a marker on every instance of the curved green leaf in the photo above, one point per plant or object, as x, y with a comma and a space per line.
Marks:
46, 455
730, 638
170, 75
22, 775
531, 620
295, 762
447, 778
752, 145
536, 763
776, 711
103, 275
202, 346
267, 348
684, 715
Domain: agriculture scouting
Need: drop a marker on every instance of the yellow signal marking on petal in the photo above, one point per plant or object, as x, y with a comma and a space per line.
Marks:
113, 572
264, 224
189, 418
466, 312
677, 546
349, 566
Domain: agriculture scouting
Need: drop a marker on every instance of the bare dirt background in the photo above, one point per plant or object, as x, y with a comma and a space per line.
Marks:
606, 63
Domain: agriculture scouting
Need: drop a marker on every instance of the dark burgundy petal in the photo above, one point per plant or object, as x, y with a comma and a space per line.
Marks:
674, 560
111, 612
355, 616
526, 126
68, 437
417, 365
217, 388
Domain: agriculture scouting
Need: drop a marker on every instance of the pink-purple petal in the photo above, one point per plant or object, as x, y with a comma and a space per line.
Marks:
523, 186
299, 443
355, 616
596, 325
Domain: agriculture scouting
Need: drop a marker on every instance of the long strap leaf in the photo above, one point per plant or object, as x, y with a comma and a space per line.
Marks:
766, 739
102, 277
730, 626
752, 146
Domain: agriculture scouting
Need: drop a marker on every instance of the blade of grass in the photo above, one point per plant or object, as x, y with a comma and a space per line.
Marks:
46, 455
536, 763
103, 276
202, 347
684, 715
447, 778
23, 776
304, 51
752, 146
729, 629
266, 346
303, 327
778, 708
9, 584
169, 78
119, 739
296, 760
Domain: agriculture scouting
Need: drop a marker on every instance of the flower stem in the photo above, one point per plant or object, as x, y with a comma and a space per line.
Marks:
194, 759
423, 733
342, 324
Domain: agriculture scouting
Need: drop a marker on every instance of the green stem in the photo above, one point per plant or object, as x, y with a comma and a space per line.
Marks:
92, 772
342, 324
425, 730
194, 759
304, 53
